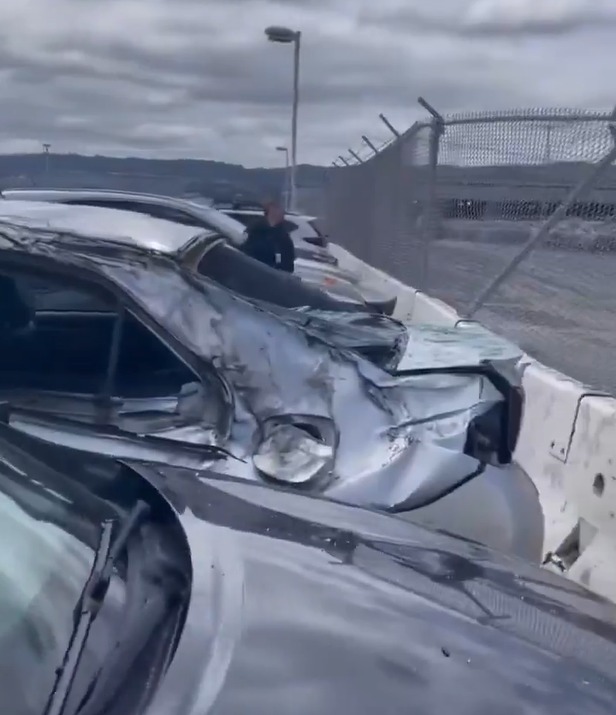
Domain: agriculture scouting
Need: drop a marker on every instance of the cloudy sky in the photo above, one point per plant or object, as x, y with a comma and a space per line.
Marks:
196, 78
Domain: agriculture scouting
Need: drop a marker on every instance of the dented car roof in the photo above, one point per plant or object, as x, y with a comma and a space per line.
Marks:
113, 225
400, 347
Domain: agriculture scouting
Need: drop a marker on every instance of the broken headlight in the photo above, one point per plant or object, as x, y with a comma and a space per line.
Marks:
297, 450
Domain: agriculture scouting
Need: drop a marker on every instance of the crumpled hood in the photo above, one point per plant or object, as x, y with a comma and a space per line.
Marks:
399, 348
380, 339
277, 368
390, 432
466, 345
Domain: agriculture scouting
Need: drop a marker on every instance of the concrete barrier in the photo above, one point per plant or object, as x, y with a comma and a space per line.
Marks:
432, 310
567, 445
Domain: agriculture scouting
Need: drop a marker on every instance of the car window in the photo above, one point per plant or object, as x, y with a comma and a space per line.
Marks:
313, 223
226, 225
41, 295
169, 214
43, 568
53, 507
247, 220
163, 212
77, 341
318, 238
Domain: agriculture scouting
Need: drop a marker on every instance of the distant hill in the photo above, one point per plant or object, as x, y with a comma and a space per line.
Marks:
176, 177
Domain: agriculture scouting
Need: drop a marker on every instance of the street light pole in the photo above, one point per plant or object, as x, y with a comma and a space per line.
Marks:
293, 176
285, 35
46, 148
286, 182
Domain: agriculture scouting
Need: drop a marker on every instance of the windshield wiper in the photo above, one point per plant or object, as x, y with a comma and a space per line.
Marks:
90, 602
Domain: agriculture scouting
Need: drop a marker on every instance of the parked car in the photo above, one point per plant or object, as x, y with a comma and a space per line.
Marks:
303, 229
197, 214
116, 348
142, 590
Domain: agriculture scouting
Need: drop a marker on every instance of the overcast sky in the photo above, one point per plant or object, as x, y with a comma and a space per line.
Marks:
196, 78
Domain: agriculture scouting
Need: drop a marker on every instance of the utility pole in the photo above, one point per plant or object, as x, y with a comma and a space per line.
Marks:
46, 148
285, 35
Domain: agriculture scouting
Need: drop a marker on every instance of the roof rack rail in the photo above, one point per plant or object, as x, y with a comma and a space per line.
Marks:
239, 205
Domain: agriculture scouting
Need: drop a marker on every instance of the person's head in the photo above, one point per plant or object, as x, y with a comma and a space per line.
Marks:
274, 213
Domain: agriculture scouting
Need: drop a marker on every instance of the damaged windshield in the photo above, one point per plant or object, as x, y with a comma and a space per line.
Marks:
45, 559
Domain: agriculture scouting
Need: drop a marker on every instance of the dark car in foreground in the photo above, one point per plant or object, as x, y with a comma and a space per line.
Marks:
139, 590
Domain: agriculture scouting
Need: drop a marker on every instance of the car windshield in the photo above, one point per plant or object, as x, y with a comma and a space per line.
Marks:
48, 539
246, 219
314, 226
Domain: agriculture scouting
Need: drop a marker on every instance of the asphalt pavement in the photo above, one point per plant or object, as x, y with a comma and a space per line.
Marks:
559, 305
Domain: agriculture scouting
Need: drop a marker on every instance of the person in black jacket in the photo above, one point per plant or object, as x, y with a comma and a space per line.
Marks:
268, 241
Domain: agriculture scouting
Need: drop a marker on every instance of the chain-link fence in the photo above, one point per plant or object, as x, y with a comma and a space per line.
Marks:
450, 203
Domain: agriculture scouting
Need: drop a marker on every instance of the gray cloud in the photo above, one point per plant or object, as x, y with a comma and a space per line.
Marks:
188, 78
494, 18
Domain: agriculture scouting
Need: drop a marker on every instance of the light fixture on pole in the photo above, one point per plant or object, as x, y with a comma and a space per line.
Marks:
286, 182
287, 36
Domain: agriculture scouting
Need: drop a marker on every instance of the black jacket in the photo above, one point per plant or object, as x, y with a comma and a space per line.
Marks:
271, 245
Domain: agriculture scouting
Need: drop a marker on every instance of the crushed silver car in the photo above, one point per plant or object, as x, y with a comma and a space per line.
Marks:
111, 345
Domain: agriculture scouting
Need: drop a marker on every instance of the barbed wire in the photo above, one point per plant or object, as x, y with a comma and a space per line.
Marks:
536, 116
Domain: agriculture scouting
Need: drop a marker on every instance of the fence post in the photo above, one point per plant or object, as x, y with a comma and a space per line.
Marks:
406, 230
430, 220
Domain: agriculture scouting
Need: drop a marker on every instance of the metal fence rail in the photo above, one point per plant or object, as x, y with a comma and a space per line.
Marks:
448, 204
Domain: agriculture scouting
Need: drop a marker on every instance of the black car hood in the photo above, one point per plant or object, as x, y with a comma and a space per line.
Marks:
330, 609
